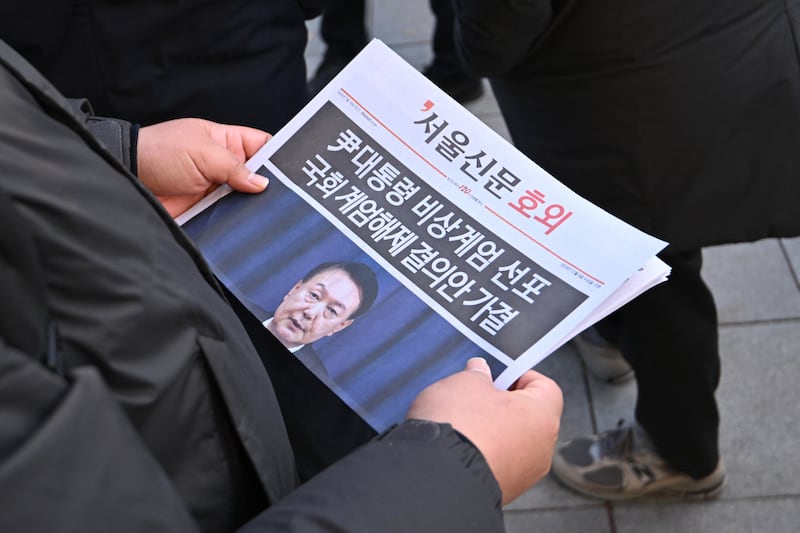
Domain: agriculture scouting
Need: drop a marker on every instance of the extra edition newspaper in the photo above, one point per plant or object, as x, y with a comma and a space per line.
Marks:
475, 250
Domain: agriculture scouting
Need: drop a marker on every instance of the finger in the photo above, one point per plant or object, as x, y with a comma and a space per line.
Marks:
253, 140
243, 180
526, 379
479, 364
219, 165
541, 387
532, 380
243, 138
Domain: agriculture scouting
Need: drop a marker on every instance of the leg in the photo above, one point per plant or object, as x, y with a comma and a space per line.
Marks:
444, 48
345, 33
343, 28
446, 70
669, 336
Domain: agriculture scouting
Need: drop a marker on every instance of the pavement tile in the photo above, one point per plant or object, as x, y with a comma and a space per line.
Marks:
593, 519
752, 281
316, 46
612, 402
757, 515
415, 54
409, 21
758, 398
792, 249
564, 368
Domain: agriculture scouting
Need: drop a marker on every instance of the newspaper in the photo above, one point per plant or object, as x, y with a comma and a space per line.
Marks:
476, 249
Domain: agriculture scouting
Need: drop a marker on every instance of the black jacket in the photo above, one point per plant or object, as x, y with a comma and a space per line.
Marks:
231, 61
682, 118
131, 398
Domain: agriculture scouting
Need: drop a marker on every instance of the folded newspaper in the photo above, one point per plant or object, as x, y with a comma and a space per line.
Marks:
400, 236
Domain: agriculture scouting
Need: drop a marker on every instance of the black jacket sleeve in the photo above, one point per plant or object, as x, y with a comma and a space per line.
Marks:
71, 461
419, 477
69, 458
116, 135
494, 36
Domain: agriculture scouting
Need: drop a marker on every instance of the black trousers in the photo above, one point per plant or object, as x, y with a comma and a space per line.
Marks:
669, 336
343, 28
344, 31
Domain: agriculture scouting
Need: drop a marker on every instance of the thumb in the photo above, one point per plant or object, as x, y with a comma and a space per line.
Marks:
220, 165
479, 364
241, 179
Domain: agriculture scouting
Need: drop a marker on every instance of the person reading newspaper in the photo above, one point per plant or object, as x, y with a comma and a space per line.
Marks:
133, 398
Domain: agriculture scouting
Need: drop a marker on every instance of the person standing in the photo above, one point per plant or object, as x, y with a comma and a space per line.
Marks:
235, 62
343, 28
683, 120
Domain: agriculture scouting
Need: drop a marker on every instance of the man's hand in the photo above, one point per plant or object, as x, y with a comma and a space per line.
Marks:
516, 430
182, 160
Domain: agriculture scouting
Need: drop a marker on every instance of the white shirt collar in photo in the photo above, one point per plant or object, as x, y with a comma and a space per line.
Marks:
292, 350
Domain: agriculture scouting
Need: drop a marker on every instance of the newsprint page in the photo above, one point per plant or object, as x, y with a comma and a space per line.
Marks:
474, 249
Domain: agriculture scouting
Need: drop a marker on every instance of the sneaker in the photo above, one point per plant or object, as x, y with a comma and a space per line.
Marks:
621, 464
462, 88
603, 360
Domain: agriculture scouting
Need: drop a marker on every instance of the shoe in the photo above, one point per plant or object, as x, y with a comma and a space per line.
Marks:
603, 360
327, 70
462, 88
621, 464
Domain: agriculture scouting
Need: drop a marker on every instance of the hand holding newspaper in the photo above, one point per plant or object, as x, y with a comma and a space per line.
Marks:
472, 249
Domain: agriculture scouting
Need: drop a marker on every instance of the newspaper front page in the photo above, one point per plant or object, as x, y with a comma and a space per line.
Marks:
475, 249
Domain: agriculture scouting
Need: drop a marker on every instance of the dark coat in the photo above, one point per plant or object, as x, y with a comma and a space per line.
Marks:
131, 397
231, 61
308, 355
681, 118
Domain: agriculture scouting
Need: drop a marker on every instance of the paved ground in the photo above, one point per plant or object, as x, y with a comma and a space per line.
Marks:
757, 288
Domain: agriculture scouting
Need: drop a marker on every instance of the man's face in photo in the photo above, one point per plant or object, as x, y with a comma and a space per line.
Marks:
312, 309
